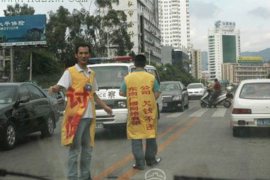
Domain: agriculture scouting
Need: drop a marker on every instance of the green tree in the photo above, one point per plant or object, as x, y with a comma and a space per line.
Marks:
169, 72
18, 10
57, 33
65, 29
46, 69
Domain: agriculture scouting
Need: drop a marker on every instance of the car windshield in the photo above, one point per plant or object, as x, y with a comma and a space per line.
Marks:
169, 87
255, 91
194, 86
7, 94
110, 76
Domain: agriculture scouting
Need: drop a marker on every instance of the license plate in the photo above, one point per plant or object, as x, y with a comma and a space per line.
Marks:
164, 104
99, 125
263, 122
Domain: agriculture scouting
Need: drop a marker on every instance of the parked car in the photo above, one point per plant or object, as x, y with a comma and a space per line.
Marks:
174, 96
61, 99
24, 109
195, 90
251, 106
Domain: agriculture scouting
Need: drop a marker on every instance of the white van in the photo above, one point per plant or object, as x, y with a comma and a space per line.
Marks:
109, 77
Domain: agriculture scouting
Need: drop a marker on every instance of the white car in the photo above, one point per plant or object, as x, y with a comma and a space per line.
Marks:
251, 106
195, 90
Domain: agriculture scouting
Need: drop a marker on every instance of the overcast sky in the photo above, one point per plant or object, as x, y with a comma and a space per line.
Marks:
252, 18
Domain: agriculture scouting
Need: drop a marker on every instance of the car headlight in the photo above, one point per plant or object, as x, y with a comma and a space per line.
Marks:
177, 98
122, 104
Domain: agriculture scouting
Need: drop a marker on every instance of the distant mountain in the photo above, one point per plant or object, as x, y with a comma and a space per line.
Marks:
265, 54
204, 60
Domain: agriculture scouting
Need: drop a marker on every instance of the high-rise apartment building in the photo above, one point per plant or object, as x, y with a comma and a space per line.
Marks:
142, 19
196, 68
174, 23
223, 47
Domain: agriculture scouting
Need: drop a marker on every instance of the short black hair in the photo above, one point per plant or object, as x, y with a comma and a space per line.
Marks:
82, 45
216, 80
140, 60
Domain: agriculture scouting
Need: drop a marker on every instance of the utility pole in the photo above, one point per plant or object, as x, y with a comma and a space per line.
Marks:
11, 64
108, 45
31, 66
149, 57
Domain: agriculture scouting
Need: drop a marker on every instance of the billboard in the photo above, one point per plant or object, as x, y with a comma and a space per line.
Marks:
250, 59
22, 30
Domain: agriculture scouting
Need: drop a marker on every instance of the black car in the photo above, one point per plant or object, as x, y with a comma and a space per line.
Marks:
174, 96
24, 109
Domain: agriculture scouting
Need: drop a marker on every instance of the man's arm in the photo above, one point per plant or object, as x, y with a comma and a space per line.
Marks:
123, 88
156, 89
56, 88
102, 104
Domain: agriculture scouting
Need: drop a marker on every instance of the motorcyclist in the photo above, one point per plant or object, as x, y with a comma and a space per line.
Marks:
217, 91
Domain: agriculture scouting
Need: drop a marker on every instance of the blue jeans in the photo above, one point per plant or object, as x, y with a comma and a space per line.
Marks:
81, 140
150, 152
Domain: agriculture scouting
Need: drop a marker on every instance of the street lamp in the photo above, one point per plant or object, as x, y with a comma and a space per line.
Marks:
108, 45
150, 52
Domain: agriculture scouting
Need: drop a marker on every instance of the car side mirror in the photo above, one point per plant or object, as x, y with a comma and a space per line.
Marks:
184, 89
24, 99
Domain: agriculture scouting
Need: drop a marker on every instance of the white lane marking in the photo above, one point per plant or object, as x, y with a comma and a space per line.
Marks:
174, 115
219, 112
198, 113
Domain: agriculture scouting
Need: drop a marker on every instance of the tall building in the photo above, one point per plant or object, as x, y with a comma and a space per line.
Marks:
223, 47
142, 19
174, 23
196, 58
180, 58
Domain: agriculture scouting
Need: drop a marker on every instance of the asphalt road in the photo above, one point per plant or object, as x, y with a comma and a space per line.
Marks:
195, 143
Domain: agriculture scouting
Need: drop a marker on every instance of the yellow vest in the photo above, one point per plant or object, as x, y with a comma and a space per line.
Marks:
142, 107
77, 101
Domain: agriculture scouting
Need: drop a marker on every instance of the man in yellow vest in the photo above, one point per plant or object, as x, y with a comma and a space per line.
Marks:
78, 127
142, 90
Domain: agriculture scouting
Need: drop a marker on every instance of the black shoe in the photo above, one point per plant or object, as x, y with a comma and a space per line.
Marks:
154, 163
136, 166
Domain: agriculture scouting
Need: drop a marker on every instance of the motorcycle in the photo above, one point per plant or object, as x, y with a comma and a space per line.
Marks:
224, 99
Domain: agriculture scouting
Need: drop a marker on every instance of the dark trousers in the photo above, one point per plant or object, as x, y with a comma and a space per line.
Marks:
214, 97
150, 152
